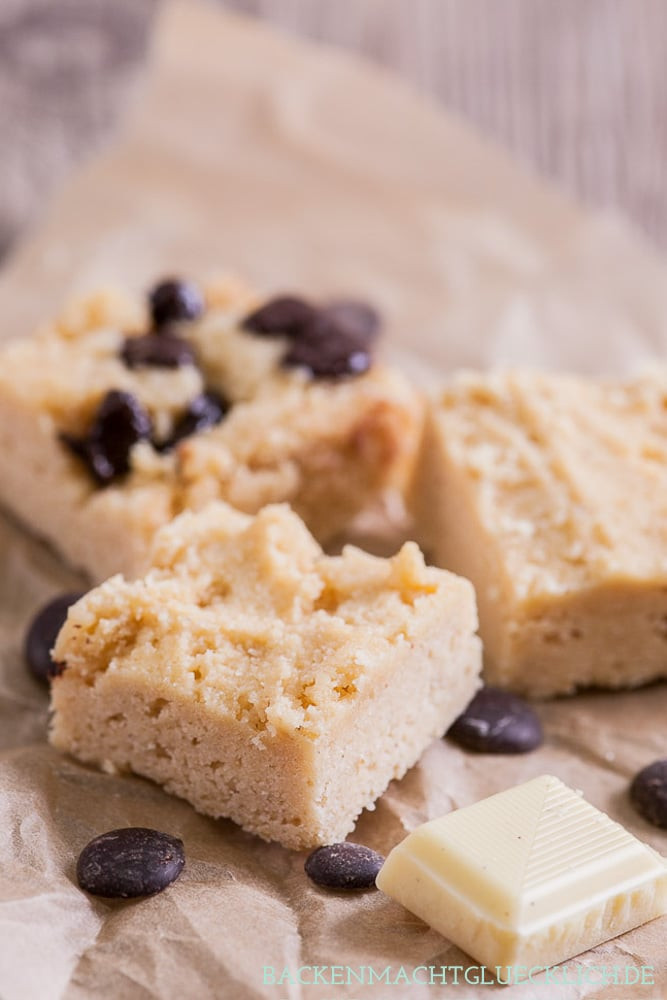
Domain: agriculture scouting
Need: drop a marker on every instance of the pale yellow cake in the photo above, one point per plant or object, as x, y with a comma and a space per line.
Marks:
330, 447
262, 680
549, 493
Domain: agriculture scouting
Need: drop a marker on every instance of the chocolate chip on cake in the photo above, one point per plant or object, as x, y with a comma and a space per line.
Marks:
648, 793
131, 862
327, 353
329, 342
496, 721
41, 636
204, 411
157, 350
120, 423
354, 319
344, 866
174, 301
284, 315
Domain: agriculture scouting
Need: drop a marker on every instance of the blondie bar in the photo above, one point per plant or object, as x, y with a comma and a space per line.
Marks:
120, 415
262, 680
549, 493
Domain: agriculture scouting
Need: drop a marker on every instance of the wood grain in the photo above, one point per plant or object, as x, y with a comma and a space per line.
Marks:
578, 88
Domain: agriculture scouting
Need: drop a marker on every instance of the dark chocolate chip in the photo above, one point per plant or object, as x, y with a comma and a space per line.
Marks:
157, 351
120, 422
327, 353
496, 721
648, 793
330, 342
130, 862
285, 315
203, 411
344, 866
41, 636
354, 319
175, 301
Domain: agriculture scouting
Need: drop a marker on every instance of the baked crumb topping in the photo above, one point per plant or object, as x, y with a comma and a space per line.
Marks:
545, 454
250, 615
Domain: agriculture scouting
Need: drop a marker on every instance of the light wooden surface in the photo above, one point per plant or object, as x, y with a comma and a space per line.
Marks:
576, 87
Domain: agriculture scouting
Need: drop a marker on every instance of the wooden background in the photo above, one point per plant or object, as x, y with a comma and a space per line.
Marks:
576, 87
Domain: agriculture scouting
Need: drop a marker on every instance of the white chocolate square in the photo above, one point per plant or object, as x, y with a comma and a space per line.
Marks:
531, 876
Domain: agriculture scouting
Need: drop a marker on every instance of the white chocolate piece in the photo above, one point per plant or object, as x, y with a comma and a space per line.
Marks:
531, 876
549, 492
262, 680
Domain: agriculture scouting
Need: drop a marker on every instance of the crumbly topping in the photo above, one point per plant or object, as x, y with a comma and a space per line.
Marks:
552, 457
67, 382
248, 615
66, 379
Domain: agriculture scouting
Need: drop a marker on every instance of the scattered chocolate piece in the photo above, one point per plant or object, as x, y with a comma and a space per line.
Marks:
354, 319
648, 793
328, 354
344, 866
119, 423
285, 315
174, 300
130, 862
41, 636
202, 412
157, 350
496, 721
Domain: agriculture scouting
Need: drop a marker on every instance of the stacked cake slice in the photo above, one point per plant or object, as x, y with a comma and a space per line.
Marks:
118, 416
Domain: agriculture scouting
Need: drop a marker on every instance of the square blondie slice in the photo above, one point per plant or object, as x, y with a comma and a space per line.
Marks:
549, 493
122, 413
262, 680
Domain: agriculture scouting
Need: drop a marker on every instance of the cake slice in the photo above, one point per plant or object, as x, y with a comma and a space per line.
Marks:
122, 413
549, 493
262, 680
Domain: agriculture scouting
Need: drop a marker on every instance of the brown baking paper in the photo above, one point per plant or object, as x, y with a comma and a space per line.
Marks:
302, 168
